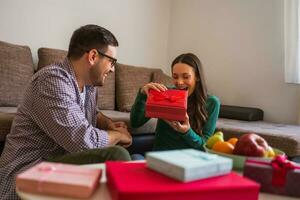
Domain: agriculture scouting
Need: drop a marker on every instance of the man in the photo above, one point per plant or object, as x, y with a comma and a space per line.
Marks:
57, 120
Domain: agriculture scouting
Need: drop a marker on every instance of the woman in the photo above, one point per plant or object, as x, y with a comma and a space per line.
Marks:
202, 112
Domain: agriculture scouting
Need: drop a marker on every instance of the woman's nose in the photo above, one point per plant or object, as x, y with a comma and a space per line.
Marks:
179, 82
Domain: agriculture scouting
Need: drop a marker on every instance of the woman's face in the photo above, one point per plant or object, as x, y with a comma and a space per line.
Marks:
184, 77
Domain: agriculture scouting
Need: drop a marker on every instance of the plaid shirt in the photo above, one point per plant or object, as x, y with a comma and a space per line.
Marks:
52, 120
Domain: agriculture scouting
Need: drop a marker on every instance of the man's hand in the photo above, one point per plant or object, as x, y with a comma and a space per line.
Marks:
120, 136
113, 125
181, 127
125, 137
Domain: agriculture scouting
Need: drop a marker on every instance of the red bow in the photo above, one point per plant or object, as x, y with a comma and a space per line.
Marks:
281, 166
160, 96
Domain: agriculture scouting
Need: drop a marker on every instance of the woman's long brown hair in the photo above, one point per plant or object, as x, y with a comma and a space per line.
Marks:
196, 102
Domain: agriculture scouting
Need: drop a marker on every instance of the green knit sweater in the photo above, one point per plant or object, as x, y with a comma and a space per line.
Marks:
166, 138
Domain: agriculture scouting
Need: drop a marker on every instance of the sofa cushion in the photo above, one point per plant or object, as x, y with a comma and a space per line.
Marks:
16, 69
12, 110
48, 56
106, 93
128, 81
160, 77
149, 127
282, 136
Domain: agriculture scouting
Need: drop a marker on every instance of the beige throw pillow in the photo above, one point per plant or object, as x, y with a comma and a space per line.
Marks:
16, 70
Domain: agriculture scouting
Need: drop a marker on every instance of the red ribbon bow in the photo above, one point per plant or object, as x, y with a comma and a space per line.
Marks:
160, 96
281, 166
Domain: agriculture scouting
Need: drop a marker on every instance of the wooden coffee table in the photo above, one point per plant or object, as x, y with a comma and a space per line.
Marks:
102, 191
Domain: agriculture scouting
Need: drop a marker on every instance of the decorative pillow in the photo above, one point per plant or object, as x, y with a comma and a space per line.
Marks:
160, 77
16, 69
128, 81
48, 56
17, 53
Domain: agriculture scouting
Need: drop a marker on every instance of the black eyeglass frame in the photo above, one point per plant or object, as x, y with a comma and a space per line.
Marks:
112, 60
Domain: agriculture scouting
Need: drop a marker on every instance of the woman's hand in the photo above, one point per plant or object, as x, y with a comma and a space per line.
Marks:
155, 86
181, 127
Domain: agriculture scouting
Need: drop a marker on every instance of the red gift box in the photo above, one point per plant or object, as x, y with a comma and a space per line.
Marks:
170, 104
59, 180
278, 176
137, 182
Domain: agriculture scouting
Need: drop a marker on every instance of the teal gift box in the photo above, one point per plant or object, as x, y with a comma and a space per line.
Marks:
188, 164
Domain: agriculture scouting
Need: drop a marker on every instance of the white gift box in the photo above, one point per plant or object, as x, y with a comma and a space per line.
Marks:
188, 164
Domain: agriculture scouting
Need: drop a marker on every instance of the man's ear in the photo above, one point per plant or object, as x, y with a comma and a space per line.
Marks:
92, 56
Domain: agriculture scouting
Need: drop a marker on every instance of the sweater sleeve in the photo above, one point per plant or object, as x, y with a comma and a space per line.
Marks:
213, 109
137, 114
192, 138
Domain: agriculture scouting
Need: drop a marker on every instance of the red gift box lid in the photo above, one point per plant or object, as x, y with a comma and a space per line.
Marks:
136, 181
168, 98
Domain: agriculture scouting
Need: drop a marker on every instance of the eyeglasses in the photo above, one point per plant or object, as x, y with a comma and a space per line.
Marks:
112, 60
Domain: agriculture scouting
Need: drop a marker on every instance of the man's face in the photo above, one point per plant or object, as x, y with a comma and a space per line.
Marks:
102, 67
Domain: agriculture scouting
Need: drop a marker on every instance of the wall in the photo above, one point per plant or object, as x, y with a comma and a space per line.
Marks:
141, 26
240, 44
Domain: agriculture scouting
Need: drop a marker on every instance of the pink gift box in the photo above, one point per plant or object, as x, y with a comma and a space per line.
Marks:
134, 181
59, 180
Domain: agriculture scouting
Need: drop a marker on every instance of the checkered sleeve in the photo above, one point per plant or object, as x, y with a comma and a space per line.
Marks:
57, 111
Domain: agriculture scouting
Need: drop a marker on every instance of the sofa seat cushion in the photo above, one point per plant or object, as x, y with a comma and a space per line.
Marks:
282, 136
16, 70
149, 127
12, 110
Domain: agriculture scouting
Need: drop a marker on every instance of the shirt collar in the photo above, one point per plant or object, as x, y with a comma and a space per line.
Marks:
67, 65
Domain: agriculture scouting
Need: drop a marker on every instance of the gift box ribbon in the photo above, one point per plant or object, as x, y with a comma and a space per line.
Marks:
281, 166
160, 96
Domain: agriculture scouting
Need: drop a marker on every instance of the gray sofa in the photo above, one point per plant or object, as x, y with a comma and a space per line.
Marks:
116, 97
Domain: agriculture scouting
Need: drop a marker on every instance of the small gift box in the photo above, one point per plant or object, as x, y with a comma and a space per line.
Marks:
135, 181
278, 176
170, 104
59, 180
189, 164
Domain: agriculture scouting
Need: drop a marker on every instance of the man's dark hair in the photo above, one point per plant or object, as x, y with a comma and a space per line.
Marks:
90, 37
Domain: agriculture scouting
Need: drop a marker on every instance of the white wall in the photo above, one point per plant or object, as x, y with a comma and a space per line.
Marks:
141, 26
240, 43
